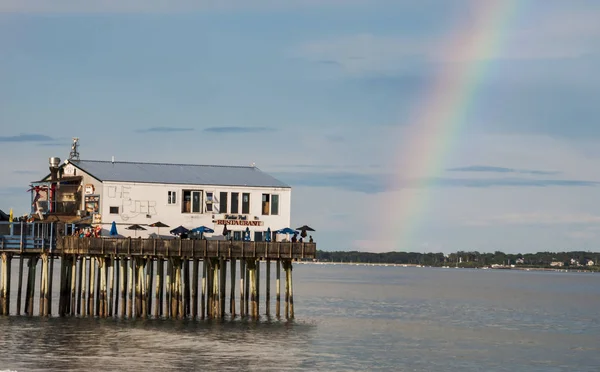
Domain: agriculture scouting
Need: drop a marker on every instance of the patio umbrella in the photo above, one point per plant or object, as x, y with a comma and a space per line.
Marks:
268, 235
303, 229
113, 229
225, 231
247, 234
158, 225
135, 228
179, 230
202, 230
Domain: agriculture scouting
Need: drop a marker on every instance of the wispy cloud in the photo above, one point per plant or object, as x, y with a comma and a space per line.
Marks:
537, 218
164, 130
376, 183
492, 169
238, 129
160, 6
27, 138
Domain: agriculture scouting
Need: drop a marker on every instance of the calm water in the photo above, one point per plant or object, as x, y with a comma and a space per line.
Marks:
347, 318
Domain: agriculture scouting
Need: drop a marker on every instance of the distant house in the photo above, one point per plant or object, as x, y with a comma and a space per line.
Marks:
590, 263
557, 264
519, 261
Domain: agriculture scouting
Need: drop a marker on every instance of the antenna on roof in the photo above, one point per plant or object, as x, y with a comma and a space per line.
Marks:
74, 154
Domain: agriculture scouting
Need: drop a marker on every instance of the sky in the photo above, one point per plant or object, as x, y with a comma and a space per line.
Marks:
328, 96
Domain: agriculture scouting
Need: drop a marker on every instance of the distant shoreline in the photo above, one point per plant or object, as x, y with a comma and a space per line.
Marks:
519, 268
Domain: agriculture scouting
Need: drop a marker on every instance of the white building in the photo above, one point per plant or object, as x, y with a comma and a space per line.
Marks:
176, 194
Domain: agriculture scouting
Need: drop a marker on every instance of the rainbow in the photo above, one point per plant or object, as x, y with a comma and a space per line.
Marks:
435, 126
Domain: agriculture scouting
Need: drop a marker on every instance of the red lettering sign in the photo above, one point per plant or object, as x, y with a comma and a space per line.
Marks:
239, 222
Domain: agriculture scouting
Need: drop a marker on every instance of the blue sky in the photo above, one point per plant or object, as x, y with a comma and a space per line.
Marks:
318, 94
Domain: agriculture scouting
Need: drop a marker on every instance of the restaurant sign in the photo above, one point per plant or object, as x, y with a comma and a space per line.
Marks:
239, 222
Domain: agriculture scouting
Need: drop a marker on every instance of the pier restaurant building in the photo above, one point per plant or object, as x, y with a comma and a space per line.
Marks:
129, 193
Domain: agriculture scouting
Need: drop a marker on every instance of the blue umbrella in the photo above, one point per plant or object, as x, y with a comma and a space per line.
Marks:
179, 230
268, 235
247, 234
113, 229
202, 230
286, 230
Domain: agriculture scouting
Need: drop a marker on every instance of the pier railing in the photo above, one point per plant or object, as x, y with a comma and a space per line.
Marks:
184, 248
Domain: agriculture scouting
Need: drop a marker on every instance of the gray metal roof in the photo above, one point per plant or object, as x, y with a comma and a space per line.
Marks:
177, 173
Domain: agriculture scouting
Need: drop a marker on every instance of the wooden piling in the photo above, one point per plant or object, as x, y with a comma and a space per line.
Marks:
123, 285
180, 294
97, 288
195, 263
168, 289
111, 281
143, 311
203, 296
287, 290
73, 277
291, 289
257, 288
6, 268
130, 275
222, 286
43, 277
158, 294
278, 289
268, 289
186, 288
20, 285
84, 286
49, 291
216, 295
92, 280
247, 289
242, 277
232, 289
31, 285
149, 279
80, 280
252, 280
161, 267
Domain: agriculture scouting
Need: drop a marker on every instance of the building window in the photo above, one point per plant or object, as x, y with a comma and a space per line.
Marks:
237, 235
235, 200
270, 204
223, 202
172, 197
192, 201
209, 201
245, 203
114, 210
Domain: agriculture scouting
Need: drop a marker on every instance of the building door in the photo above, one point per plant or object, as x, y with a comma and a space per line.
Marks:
196, 201
258, 236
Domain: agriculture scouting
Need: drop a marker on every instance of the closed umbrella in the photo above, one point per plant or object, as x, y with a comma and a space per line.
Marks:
113, 229
247, 234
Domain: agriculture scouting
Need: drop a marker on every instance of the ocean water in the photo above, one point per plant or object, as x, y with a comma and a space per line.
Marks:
348, 318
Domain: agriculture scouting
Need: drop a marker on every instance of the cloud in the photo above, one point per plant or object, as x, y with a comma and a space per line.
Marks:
537, 218
238, 129
26, 138
492, 169
376, 183
164, 130
160, 6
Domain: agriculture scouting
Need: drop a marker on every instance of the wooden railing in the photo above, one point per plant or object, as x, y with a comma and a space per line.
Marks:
184, 248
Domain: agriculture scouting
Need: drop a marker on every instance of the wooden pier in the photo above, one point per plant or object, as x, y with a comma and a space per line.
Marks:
147, 278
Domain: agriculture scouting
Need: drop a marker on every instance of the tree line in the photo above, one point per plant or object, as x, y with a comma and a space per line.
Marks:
464, 258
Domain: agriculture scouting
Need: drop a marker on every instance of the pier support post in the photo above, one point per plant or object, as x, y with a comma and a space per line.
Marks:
232, 291
111, 281
85, 285
97, 287
49, 291
158, 294
20, 285
257, 299
268, 289
6, 267
222, 286
195, 288
247, 289
73, 277
169, 289
130, 276
149, 278
203, 289
81, 281
252, 281
216, 296
242, 287
92, 280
